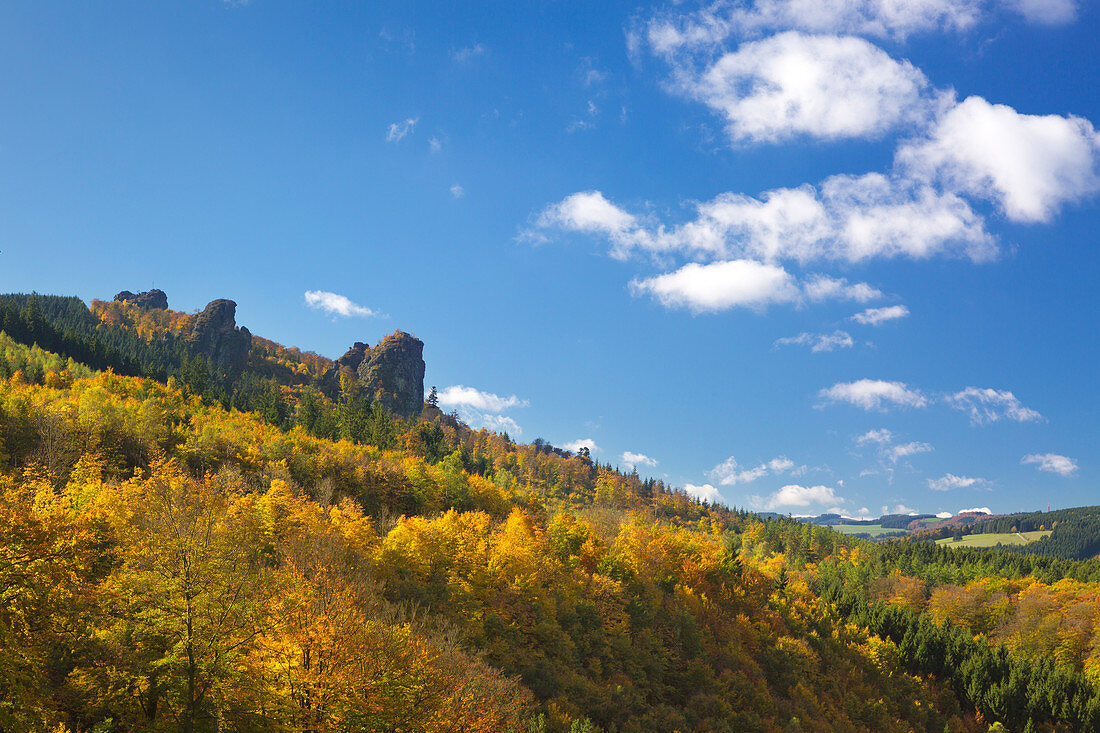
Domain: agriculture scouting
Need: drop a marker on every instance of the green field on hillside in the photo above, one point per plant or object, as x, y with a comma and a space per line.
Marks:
992, 540
934, 521
874, 530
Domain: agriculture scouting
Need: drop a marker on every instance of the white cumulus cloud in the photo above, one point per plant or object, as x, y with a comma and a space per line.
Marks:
794, 495
793, 85
590, 212
1030, 165
459, 396
874, 394
878, 316
846, 218
1052, 463
800, 70
706, 492
336, 304
482, 409
720, 286
575, 445
990, 405
637, 459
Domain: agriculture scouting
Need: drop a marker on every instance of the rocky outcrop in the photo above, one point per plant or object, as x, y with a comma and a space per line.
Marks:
149, 299
354, 356
351, 359
393, 373
215, 335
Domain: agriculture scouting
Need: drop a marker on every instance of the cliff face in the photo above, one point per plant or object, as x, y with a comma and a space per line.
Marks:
351, 359
215, 335
393, 373
354, 356
149, 299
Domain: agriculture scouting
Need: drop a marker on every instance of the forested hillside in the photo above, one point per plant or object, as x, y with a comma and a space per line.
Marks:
1074, 533
173, 561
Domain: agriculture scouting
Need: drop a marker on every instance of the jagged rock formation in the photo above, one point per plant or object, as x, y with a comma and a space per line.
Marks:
393, 373
149, 299
351, 359
354, 356
215, 335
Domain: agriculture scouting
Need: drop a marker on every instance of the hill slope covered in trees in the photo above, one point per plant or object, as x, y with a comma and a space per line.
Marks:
173, 562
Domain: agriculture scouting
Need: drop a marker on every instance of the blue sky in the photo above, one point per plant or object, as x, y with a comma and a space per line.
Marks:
794, 256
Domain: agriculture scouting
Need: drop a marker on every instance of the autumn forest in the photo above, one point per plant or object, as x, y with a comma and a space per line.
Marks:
196, 537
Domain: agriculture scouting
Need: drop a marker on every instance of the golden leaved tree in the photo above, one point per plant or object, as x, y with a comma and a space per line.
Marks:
186, 606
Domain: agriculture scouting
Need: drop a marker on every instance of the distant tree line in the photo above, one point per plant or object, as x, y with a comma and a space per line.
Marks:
1032, 521
1075, 532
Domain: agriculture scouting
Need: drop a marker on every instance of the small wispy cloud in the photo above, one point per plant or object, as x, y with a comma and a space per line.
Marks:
874, 394
337, 305
458, 191
401, 38
889, 453
590, 74
880, 437
951, 481
1051, 463
496, 423
398, 131
878, 316
637, 459
435, 144
896, 452
469, 53
730, 473
587, 121
819, 342
990, 405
